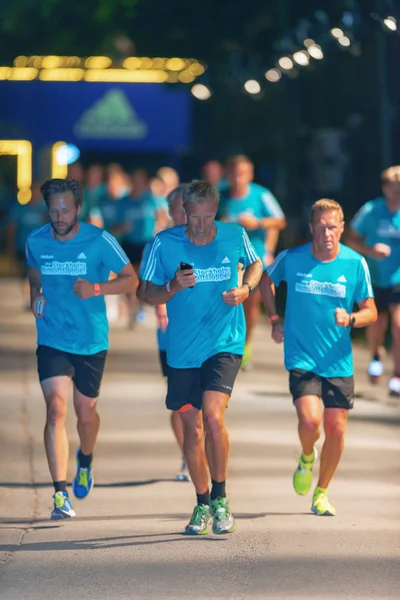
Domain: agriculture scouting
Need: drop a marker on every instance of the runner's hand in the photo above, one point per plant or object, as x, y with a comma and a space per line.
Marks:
248, 222
236, 296
381, 251
277, 333
342, 317
183, 279
83, 289
162, 318
35, 307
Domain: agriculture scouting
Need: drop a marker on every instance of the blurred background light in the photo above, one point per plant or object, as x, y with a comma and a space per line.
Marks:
273, 75
302, 58
315, 51
201, 91
286, 63
252, 86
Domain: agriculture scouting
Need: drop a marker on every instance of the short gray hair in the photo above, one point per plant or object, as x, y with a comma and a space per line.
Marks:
200, 192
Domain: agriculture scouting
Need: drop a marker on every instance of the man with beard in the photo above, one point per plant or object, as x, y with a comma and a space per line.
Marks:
69, 264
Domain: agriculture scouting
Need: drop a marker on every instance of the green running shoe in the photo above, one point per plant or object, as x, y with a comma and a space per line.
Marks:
302, 477
223, 519
321, 505
198, 524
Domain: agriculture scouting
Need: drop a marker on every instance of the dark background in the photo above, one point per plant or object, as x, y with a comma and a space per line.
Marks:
354, 92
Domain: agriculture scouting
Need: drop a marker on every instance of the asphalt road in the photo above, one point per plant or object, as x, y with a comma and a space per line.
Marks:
127, 541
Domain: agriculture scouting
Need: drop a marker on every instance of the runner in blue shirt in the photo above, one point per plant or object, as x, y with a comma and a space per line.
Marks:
324, 281
22, 220
257, 210
69, 265
193, 268
375, 233
178, 217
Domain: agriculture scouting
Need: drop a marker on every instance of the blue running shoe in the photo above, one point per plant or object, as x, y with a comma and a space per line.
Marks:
83, 483
62, 507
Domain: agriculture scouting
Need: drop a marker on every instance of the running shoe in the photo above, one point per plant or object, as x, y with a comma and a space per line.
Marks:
375, 371
394, 386
247, 358
198, 524
223, 519
183, 474
83, 483
303, 475
321, 505
62, 507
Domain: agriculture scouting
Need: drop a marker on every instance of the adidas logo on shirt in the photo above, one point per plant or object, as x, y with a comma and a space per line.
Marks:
82, 255
342, 279
225, 261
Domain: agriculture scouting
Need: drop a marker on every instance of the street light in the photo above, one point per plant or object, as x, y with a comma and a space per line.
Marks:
390, 23
252, 87
286, 63
337, 33
302, 58
344, 41
315, 51
201, 91
273, 75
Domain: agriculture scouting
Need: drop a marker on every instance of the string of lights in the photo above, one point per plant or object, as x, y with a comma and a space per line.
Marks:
307, 52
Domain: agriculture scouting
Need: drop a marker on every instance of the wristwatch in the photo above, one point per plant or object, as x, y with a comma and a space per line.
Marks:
249, 286
352, 321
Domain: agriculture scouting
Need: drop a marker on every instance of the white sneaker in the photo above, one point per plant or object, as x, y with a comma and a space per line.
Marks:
375, 371
394, 386
184, 475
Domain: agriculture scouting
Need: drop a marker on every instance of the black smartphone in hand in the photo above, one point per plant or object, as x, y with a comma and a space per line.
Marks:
183, 266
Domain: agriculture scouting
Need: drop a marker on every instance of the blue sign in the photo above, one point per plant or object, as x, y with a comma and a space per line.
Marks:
97, 116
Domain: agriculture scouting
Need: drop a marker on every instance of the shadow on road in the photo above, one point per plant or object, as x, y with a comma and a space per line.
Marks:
163, 517
108, 542
118, 484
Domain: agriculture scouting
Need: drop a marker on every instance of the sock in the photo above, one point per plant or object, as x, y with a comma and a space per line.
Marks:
376, 357
60, 486
203, 498
308, 457
319, 490
84, 460
218, 490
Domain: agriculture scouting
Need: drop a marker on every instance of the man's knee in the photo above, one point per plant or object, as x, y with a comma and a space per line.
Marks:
334, 429
214, 422
56, 410
86, 411
310, 424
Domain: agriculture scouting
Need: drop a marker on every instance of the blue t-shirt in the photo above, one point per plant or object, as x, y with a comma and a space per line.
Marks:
200, 324
315, 289
377, 225
70, 323
26, 218
111, 211
260, 203
141, 214
161, 335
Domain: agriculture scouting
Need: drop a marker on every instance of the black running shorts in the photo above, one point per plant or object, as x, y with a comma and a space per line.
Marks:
86, 370
384, 297
186, 386
163, 362
335, 392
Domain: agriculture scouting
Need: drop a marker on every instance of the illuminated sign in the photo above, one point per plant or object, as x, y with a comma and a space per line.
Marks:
111, 117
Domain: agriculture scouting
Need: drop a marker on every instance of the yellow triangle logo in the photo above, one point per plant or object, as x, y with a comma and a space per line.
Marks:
111, 117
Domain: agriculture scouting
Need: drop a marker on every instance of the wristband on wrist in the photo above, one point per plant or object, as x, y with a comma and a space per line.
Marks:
274, 319
168, 288
96, 288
